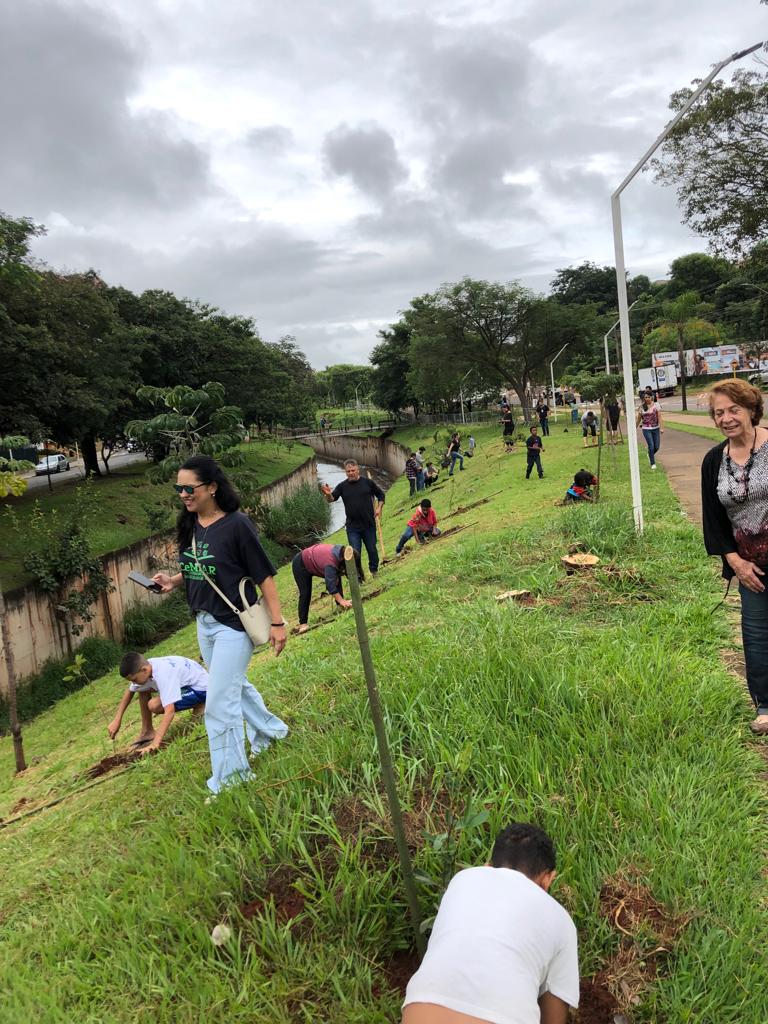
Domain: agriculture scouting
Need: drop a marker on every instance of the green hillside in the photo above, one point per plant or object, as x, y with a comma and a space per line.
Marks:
599, 708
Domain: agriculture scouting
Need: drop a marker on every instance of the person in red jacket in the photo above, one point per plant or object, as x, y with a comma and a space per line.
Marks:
327, 562
423, 523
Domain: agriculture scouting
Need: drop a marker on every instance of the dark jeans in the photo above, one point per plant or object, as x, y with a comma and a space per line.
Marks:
534, 459
412, 485
754, 634
303, 579
544, 421
454, 457
653, 440
367, 536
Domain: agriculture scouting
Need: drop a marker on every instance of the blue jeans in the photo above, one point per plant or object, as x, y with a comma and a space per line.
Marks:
534, 459
366, 536
420, 480
754, 634
544, 421
454, 457
232, 701
652, 437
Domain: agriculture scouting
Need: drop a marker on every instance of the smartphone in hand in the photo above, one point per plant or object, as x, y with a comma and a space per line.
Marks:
144, 581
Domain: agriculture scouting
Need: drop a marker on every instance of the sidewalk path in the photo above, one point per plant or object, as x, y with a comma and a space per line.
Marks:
681, 455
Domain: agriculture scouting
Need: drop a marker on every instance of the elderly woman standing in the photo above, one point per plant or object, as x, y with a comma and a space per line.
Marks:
734, 488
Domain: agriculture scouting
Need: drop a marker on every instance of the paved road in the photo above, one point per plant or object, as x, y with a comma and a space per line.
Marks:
39, 484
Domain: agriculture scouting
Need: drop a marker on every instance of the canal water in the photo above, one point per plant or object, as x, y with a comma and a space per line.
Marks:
332, 473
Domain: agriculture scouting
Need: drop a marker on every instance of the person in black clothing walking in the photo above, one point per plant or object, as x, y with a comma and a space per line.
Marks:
363, 500
542, 411
535, 448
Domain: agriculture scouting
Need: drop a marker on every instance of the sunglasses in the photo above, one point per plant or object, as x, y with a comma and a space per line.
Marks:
186, 488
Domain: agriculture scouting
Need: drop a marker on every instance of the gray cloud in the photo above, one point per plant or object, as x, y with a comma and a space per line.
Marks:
367, 156
72, 143
270, 140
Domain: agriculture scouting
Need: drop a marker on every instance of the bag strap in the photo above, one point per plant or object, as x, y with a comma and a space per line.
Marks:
208, 579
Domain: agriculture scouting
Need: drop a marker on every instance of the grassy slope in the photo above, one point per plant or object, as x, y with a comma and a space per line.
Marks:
604, 713
710, 433
124, 492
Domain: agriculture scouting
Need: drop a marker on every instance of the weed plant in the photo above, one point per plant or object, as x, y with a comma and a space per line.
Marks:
602, 712
302, 519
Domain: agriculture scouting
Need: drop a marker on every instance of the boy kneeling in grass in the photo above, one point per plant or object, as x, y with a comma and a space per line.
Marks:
502, 950
180, 684
423, 523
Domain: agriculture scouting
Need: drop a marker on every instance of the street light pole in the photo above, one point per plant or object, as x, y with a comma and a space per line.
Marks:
461, 395
552, 375
621, 284
610, 330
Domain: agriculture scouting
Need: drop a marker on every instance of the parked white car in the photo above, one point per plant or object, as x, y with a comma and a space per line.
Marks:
52, 464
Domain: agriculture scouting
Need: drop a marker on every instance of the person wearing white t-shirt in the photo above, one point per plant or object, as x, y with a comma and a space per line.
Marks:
502, 950
180, 684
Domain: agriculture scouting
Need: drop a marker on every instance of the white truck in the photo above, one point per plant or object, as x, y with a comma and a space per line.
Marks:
661, 379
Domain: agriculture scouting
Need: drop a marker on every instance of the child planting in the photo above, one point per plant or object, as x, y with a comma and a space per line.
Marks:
422, 524
580, 489
180, 683
535, 448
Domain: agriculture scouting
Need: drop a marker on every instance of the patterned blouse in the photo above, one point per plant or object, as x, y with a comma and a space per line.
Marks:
749, 518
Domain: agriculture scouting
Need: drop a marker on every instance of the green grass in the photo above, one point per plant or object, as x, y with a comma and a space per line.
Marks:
124, 493
351, 417
603, 712
699, 430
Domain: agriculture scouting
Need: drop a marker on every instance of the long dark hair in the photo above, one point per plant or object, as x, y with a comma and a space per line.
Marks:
207, 471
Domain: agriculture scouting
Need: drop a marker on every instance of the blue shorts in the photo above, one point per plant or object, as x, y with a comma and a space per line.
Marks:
189, 699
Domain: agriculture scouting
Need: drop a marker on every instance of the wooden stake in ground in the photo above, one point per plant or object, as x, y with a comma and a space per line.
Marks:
600, 447
379, 531
384, 756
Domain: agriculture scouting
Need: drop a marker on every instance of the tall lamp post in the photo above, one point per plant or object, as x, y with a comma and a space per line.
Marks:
552, 376
461, 395
621, 283
605, 339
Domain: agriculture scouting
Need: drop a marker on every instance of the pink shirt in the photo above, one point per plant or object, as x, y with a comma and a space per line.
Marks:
649, 418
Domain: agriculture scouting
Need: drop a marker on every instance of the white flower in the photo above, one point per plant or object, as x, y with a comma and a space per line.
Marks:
221, 933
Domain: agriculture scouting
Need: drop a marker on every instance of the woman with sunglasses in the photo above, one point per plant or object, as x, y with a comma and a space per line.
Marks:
226, 549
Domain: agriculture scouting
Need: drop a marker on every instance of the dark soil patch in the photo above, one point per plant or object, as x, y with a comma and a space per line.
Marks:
20, 805
453, 529
475, 504
397, 971
108, 764
596, 1004
373, 593
281, 892
631, 908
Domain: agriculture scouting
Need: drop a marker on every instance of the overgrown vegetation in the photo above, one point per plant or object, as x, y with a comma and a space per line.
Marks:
601, 710
302, 519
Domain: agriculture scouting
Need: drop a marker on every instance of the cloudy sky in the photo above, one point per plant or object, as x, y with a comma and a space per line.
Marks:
316, 165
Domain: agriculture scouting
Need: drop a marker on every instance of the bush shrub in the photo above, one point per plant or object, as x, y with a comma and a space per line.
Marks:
301, 519
37, 693
147, 624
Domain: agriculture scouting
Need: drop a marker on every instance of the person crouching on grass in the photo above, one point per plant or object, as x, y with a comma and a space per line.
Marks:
180, 683
326, 561
535, 448
423, 523
502, 950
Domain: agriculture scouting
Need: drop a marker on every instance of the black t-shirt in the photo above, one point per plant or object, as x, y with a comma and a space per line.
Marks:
227, 550
533, 444
542, 410
358, 496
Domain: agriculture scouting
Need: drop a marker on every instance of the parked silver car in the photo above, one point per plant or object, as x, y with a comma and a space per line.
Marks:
52, 464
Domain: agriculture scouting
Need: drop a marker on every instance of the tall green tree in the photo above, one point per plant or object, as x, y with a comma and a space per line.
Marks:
697, 272
390, 359
717, 160
682, 319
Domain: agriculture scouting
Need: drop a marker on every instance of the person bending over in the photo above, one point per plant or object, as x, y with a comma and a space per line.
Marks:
423, 523
581, 488
327, 562
180, 684
502, 950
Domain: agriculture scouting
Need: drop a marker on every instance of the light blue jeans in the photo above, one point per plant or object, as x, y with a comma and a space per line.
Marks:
232, 701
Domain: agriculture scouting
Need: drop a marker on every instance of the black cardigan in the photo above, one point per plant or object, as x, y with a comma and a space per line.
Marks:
718, 532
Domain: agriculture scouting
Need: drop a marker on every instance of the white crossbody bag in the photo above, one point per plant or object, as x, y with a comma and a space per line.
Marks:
254, 617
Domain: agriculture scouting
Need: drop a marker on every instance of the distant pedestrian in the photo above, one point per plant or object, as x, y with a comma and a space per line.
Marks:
471, 445
535, 447
454, 452
650, 422
363, 500
419, 456
412, 472
589, 427
542, 411
508, 422
613, 415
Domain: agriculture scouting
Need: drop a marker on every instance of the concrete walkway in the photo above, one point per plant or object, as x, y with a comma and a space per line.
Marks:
681, 456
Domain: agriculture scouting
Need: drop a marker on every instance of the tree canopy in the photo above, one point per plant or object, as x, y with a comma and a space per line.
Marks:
717, 160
